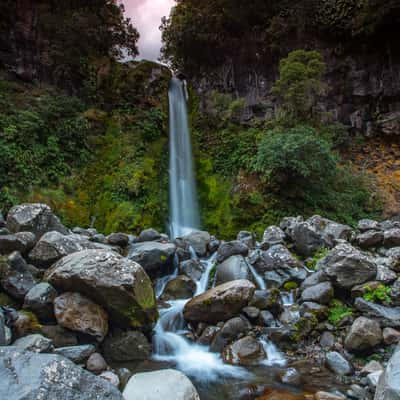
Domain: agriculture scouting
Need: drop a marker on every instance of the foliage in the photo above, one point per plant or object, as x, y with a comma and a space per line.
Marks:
338, 311
381, 294
300, 82
311, 263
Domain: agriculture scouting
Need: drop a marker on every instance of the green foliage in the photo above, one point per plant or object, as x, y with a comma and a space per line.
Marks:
338, 311
381, 294
300, 82
311, 263
289, 286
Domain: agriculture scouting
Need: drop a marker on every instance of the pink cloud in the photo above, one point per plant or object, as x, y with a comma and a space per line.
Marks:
146, 17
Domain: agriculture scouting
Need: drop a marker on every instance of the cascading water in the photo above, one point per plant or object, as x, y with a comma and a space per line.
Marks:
184, 210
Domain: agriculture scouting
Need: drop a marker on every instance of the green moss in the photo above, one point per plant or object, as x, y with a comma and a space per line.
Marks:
381, 294
289, 286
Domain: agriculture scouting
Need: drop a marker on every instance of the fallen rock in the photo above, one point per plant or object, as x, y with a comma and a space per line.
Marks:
321, 293
233, 268
364, 334
78, 313
370, 239
120, 285
198, 241
148, 235
96, 363
22, 242
365, 225
272, 236
338, 364
40, 300
118, 239
245, 237
31, 376
35, 218
220, 303
60, 336
245, 351
167, 384
392, 237
385, 275
77, 354
181, 287
387, 316
36, 343
192, 268
229, 249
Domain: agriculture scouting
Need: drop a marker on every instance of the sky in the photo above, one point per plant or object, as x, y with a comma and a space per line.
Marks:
146, 17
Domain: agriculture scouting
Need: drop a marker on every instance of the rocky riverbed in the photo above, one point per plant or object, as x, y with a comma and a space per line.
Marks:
311, 311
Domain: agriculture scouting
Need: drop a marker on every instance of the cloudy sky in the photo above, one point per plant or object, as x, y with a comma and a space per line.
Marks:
146, 17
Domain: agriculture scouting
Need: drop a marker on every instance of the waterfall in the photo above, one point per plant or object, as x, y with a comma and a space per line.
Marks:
184, 211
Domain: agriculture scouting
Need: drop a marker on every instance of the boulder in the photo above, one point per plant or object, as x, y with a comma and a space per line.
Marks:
120, 285
272, 235
314, 279
364, 334
36, 343
365, 225
388, 387
181, 287
385, 274
96, 363
32, 376
198, 241
392, 237
229, 249
233, 268
391, 336
321, 293
118, 239
77, 354
387, 316
347, 267
208, 335
148, 235
123, 346
369, 239
35, 218
318, 310
220, 303
78, 313
192, 268
338, 364
60, 336
167, 384
245, 237
245, 351
40, 300
269, 299
22, 242
156, 258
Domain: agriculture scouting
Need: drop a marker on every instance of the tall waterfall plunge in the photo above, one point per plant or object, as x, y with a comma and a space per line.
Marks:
184, 211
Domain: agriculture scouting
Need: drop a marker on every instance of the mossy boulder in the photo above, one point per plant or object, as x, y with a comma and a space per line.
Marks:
119, 285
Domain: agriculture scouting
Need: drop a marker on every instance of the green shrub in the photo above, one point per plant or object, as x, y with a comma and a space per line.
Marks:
381, 294
338, 311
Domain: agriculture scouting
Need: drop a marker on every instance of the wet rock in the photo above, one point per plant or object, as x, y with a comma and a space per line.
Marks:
192, 268
156, 258
22, 242
220, 303
291, 377
124, 375
77, 354
208, 335
30, 376
387, 316
233, 268
96, 363
245, 351
40, 300
229, 249
247, 238
272, 236
347, 267
266, 319
172, 384
36, 343
391, 336
149, 235
199, 241
373, 379
364, 334
338, 364
268, 300
370, 239
181, 287
120, 285
321, 293
367, 225
392, 237
110, 377
61, 337
78, 313
118, 239
214, 244
388, 387
289, 316
121, 346
231, 330
35, 218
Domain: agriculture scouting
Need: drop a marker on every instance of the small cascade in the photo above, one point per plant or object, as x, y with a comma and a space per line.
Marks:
274, 355
257, 277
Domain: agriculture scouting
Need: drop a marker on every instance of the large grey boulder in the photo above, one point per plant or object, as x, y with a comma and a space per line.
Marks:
364, 334
233, 268
229, 249
32, 376
198, 241
220, 303
338, 364
22, 242
167, 384
156, 258
122, 346
35, 218
321, 293
118, 284
387, 316
347, 266
389, 383
40, 300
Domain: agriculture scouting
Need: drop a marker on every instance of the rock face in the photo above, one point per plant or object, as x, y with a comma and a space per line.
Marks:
245, 351
35, 218
30, 376
167, 384
233, 268
156, 258
389, 383
364, 334
347, 267
220, 303
121, 286
78, 313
